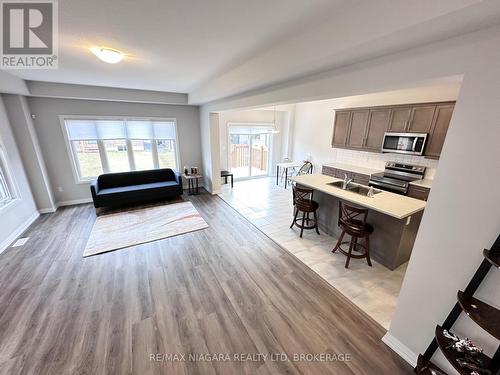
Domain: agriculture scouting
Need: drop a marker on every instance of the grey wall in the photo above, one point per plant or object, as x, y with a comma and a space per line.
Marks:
50, 135
15, 217
31, 154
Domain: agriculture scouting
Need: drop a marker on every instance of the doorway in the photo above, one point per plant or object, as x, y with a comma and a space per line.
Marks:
249, 151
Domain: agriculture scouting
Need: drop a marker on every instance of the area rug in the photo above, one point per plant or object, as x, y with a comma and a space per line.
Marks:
124, 229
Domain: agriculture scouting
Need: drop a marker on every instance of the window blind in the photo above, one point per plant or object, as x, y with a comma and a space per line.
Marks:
119, 129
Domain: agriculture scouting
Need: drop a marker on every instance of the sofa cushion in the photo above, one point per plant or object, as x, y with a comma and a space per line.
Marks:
139, 187
113, 180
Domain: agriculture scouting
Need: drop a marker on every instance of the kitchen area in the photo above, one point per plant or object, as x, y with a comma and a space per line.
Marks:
395, 196
370, 154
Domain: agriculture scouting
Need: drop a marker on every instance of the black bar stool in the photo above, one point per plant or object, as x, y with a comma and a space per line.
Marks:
303, 202
352, 220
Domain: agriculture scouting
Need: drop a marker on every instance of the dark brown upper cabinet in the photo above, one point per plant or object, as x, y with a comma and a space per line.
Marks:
400, 118
421, 119
378, 124
440, 124
357, 130
364, 128
341, 128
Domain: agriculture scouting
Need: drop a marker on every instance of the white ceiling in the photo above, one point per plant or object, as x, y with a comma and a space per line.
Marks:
439, 92
172, 45
212, 49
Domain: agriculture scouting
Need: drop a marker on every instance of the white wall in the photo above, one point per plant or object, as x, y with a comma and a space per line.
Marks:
461, 217
50, 135
317, 118
18, 215
254, 117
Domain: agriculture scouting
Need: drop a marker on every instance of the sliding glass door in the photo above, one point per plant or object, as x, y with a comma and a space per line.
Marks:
249, 151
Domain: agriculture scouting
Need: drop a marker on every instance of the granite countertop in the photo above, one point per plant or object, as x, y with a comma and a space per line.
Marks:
395, 205
426, 183
353, 168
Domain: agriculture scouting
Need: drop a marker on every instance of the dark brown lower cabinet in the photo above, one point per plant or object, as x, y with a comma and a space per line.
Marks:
418, 192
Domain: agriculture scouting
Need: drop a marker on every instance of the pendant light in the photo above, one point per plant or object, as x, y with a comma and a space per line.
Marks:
275, 127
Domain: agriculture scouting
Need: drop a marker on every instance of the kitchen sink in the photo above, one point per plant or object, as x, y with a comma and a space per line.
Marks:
361, 190
338, 184
355, 188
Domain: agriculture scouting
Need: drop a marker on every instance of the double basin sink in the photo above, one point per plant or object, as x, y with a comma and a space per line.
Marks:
354, 188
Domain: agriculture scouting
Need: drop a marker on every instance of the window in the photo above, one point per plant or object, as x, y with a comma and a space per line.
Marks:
143, 154
6, 194
119, 145
166, 153
88, 158
117, 155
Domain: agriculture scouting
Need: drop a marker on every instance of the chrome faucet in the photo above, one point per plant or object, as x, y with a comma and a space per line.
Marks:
346, 182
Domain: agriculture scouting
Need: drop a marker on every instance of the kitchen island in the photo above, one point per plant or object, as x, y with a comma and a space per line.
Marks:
395, 218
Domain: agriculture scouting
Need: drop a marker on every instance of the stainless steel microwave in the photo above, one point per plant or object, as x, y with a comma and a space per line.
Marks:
404, 143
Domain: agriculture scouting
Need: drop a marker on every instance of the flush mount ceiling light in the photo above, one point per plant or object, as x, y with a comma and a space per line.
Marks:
108, 55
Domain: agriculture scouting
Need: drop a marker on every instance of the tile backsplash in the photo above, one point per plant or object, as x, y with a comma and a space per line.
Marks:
377, 160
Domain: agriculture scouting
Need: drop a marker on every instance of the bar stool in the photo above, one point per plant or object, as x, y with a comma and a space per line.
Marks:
303, 202
352, 220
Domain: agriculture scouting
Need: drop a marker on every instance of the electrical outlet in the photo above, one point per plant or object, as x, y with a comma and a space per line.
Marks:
60, 189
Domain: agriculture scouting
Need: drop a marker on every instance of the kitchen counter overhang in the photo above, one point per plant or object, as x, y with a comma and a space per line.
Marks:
395, 218
397, 206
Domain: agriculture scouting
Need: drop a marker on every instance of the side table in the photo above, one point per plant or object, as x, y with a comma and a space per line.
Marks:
193, 184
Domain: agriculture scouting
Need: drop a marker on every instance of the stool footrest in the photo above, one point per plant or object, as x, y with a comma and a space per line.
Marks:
356, 256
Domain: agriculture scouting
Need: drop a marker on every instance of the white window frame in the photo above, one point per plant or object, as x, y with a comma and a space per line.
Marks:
9, 179
75, 166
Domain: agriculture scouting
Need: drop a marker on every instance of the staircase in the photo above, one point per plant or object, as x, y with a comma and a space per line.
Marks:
484, 315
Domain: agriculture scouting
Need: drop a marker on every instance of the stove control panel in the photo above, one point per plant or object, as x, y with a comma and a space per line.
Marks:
405, 167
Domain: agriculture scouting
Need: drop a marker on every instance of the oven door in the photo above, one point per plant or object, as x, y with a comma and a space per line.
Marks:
404, 143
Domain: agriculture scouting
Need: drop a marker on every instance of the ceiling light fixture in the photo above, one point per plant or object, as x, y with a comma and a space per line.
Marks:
108, 55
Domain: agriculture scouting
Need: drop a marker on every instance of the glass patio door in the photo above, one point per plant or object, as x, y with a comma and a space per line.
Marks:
249, 152
259, 155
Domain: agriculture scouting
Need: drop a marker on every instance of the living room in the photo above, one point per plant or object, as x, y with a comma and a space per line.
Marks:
117, 255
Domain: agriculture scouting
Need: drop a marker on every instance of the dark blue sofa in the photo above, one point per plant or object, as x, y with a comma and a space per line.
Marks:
119, 189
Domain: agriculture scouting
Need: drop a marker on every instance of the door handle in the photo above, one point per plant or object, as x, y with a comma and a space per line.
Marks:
414, 144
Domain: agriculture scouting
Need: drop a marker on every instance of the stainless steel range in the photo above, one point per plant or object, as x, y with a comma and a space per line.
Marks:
396, 177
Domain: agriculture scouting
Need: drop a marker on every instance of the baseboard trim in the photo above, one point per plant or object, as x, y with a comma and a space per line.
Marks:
74, 201
9, 240
400, 349
49, 210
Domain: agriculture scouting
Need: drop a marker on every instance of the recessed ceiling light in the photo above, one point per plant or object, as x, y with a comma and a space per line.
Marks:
108, 55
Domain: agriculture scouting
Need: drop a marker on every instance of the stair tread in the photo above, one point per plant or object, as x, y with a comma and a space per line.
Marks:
486, 316
425, 367
452, 355
493, 256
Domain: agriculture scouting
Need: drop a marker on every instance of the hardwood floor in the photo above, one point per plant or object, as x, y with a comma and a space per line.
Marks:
226, 289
